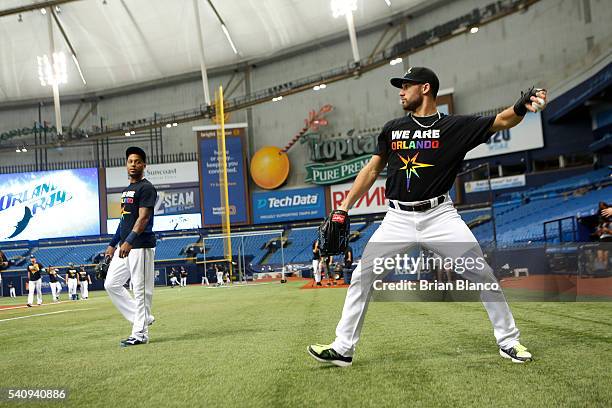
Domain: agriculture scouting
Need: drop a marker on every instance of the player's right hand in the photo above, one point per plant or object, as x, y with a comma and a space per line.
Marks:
110, 251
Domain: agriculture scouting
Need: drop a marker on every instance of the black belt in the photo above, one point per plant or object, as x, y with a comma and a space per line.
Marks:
420, 207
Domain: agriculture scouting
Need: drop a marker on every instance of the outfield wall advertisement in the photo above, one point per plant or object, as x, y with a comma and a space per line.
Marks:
526, 136
160, 175
372, 202
171, 201
49, 204
236, 176
288, 205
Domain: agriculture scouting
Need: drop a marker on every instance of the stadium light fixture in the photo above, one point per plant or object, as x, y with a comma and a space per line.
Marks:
277, 98
132, 132
318, 87
174, 124
343, 7
127, 133
17, 150
43, 11
474, 30
388, 3
396, 61
168, 125
52, 73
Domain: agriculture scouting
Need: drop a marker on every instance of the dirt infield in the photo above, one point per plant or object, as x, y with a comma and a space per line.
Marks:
562, 284
569, 284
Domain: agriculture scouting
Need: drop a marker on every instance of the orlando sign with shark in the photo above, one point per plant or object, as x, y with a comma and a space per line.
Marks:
49, 204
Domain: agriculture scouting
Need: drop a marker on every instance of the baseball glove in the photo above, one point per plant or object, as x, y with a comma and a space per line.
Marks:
102, 268
334, 233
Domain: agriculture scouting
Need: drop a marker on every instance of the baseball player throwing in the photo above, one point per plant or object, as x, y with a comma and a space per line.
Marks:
135, 258
423, 152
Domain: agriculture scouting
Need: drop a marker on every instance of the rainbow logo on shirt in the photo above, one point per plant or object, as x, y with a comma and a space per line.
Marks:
411, 165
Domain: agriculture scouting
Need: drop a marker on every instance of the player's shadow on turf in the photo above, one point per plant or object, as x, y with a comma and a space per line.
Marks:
204, 335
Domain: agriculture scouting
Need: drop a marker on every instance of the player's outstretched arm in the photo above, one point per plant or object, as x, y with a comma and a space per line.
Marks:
366, 177
532, 100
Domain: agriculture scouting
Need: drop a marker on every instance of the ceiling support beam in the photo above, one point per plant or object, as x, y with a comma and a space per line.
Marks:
55, 84
196, 13
72, 51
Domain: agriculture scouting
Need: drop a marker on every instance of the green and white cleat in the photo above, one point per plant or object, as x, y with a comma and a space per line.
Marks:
326, 354
518, 353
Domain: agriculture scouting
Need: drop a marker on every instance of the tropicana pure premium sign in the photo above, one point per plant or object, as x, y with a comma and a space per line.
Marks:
336, 159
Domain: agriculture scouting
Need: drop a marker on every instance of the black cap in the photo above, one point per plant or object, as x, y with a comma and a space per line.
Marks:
136, 150
419, 75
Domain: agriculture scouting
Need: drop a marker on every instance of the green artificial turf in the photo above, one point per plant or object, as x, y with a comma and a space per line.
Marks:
246, 346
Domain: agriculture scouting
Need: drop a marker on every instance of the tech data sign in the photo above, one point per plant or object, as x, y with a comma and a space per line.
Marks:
288, 205
372, 202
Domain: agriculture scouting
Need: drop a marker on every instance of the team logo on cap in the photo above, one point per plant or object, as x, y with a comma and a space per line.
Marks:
409, 71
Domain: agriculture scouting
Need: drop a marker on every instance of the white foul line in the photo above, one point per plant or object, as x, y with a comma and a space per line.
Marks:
43, 314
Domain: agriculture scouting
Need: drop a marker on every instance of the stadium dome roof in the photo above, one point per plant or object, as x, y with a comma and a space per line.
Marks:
123, 42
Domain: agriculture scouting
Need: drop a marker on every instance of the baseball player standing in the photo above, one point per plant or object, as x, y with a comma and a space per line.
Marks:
12, 290
71, 281
35, 281
56, 286
84, 281
135, 258
423, 152
183, 276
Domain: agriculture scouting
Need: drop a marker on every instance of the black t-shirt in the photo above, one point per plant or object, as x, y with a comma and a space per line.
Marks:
35, 271
423, 161
316, 254
133, 197
82, 276
183, 274
52, 275
72, 273
3, 259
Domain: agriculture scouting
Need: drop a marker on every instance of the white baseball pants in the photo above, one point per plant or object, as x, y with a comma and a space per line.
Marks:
220, 278
440, 225
139, 267
72, 287
12, 293
184, 281
84, 289
35, 286
316, 271
56, 288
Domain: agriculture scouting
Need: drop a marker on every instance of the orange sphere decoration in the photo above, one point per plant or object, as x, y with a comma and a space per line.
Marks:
269, 167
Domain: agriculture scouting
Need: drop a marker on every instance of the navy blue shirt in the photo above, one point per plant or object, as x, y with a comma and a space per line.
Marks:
138, 195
